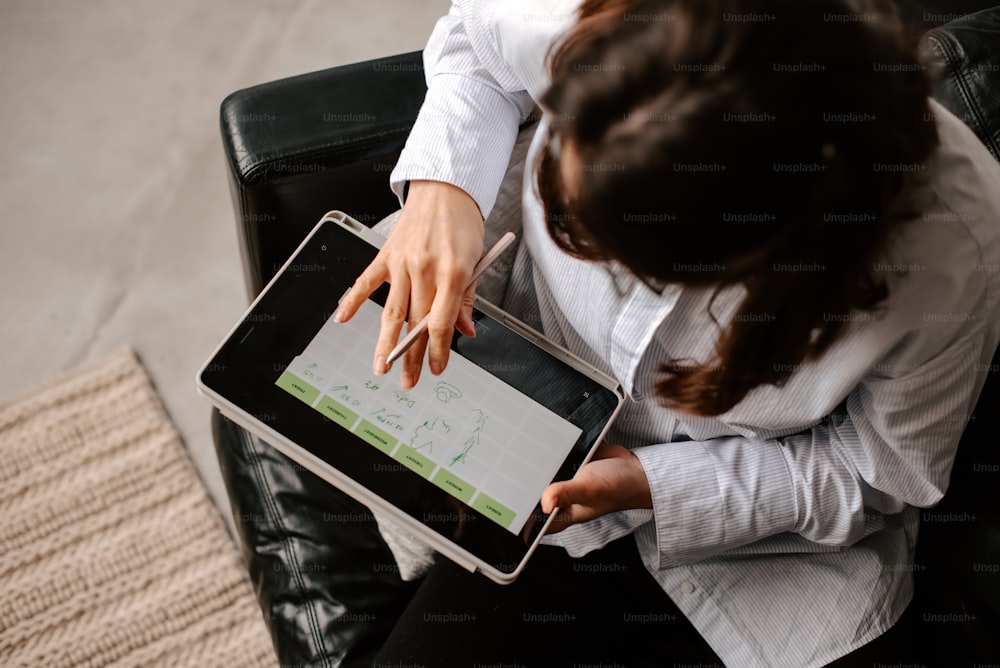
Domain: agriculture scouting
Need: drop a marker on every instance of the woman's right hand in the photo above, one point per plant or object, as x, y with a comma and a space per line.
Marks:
428, 260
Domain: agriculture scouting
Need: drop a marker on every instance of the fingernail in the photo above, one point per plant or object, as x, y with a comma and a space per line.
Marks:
406, 380
381, 368
435, 367
339, 315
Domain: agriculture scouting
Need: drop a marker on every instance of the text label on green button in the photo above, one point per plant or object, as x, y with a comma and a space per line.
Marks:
337, 412
294, 385
375, 436
414, 460
454, 485
494, 510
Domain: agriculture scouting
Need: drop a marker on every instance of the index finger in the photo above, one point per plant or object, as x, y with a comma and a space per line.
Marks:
374, 275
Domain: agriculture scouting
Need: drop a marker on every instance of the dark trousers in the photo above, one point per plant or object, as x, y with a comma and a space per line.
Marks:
603, 610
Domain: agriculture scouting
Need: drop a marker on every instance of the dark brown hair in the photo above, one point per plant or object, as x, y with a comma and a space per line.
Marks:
725, 142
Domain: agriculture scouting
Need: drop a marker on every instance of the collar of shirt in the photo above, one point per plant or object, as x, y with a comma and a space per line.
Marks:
613, 294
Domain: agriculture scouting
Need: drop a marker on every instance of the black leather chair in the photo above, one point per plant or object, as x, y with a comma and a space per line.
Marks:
327, 584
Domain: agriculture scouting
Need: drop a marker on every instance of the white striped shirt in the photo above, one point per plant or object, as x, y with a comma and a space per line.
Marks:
784, 528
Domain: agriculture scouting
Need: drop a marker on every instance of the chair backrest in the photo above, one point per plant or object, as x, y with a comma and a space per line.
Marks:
964, 58
298, 147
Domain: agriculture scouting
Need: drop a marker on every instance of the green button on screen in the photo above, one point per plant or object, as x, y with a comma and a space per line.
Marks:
294, 385
337, 412
454, 485
494, 510
375, 436
414, 460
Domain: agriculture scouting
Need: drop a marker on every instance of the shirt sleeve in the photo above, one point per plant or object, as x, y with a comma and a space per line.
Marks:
468, 123
892, 445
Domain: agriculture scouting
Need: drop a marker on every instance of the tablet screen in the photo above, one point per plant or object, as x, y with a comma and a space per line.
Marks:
466, 431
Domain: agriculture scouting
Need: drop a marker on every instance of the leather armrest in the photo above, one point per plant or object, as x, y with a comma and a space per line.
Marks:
299, 147
327, 585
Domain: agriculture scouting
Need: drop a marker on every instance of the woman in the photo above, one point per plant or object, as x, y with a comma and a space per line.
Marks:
751, 215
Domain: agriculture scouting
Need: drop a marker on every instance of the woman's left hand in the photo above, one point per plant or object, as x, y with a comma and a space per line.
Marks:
613, 480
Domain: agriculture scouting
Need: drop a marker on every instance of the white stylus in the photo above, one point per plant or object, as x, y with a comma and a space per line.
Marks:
481, 266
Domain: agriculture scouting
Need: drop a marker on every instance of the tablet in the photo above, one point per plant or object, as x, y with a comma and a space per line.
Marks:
461, 459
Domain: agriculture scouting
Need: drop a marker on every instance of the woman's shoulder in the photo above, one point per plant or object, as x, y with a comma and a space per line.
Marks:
963, 178
944, 265
519, 33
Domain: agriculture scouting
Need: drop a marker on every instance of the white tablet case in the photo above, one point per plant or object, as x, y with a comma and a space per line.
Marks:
412, 543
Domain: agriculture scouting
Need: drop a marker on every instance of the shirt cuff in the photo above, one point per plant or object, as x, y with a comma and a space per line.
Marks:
711, 496
463, 135
585, 537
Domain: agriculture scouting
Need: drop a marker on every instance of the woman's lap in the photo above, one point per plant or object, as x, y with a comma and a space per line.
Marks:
602, 610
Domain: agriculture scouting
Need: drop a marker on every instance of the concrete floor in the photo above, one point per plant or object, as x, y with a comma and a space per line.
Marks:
116, 221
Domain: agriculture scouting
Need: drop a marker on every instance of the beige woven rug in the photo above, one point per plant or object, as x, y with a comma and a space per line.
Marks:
111, 552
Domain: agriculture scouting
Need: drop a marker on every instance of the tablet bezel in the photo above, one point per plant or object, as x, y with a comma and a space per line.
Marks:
494, 568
